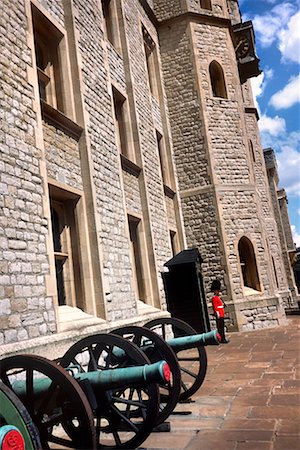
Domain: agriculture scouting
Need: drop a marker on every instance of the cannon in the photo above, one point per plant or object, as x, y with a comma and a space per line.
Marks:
189, 347
127, 416
17, 430
85, 403
156, 349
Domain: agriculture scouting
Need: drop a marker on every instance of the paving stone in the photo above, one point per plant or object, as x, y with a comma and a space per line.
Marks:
249, 424
289, 400
280, 412
289, 427
254, 446
286, 443
168, 440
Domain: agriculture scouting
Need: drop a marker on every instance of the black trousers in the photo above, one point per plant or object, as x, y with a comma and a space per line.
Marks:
221, 327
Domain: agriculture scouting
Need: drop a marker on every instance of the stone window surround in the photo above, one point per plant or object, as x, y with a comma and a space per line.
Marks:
174, 241
111, 24
163, 159
39, 16
121, 114
85, 300
251, 147
206, 4
140, 264
249, 290
151, 62
217, 79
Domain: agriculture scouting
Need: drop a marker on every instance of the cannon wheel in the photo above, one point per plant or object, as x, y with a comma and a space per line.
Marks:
124, 417
63, 404
13, 412
156, 349
193, 363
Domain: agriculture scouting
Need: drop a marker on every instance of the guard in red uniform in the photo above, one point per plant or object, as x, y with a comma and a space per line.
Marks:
218, 306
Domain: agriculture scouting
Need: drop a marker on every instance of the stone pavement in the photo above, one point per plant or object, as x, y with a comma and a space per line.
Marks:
250, 399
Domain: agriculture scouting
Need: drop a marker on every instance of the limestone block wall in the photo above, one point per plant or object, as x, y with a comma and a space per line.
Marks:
185, 115
105, 160
151, 113
25, 309
217, 180
62, 157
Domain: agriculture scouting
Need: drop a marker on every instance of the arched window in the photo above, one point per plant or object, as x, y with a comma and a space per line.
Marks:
217, 80
248, 264
205, 4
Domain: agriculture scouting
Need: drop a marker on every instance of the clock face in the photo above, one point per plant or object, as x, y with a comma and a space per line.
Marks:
242, 47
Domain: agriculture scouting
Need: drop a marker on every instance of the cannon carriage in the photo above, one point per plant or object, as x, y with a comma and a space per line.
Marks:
108, 391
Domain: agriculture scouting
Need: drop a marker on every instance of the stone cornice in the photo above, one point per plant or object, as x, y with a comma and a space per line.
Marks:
198, 18
252, 110
219, 188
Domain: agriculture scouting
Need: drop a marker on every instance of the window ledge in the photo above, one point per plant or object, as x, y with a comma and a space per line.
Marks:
130, 166
169, 191
250, 291
60, 120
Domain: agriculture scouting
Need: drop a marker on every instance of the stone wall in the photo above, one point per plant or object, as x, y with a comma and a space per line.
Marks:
25, 309
220, 197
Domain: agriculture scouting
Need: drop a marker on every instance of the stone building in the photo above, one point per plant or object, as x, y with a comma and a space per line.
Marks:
128, 133
280, 206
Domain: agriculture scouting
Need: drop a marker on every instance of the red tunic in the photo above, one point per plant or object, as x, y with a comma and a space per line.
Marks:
218, 306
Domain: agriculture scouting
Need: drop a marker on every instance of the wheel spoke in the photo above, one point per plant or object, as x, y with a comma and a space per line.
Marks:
126, 419
188, 372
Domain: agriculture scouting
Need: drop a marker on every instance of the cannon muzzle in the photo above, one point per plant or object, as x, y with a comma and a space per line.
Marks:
119, 378
196, 340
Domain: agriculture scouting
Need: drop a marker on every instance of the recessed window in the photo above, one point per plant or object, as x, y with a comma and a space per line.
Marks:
252, 150
151, 62
174, 242
163, 159
217, 80
248, 264
121, 123
111, 28
138, 270
66, 250
205, 4
47, 42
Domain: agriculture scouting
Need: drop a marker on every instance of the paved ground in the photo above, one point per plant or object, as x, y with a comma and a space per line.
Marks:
250, 399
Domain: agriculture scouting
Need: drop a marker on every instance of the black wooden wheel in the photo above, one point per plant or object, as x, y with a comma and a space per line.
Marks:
156, 349
193, 362
13, 412
53, 399
126, 416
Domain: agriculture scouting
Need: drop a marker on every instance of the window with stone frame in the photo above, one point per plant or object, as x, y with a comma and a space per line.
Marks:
48, 43
252, 150
66, 247
151, 62
217, 80
163, 159
206, 4
174, 242
137, 257
122, 125
248, 264
111, 25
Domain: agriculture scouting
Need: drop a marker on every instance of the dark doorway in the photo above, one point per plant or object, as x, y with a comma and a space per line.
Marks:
184, 290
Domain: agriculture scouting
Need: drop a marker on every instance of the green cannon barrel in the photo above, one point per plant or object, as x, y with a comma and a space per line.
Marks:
136, 376
179, 343
195, 340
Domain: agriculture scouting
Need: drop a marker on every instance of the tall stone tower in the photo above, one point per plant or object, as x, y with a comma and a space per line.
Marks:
208, 56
